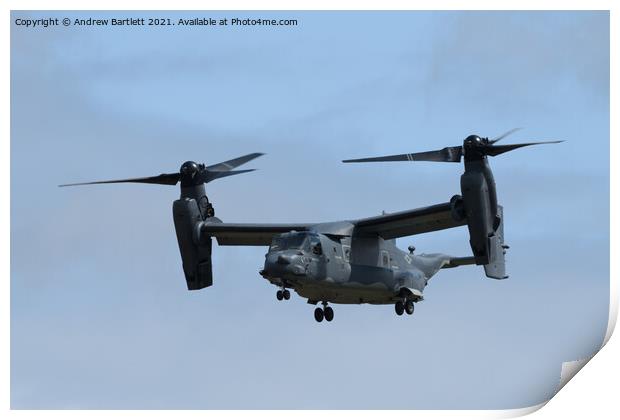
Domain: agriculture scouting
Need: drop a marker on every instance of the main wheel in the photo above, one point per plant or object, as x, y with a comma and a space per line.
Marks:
287, 294
318, 314
409, 307
279, 295
399, 307
329, 313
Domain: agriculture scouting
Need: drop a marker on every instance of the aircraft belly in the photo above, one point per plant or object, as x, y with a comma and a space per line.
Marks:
369, 276
374, 285
347, 295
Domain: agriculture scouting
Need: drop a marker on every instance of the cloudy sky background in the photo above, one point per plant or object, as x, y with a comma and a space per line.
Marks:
100, 317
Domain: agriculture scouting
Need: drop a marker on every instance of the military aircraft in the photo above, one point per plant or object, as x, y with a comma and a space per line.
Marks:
348, 261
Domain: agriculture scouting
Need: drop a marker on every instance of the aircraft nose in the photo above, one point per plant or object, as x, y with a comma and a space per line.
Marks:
284, 259
283, 264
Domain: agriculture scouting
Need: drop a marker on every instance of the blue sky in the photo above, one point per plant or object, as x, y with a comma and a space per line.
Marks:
100, 317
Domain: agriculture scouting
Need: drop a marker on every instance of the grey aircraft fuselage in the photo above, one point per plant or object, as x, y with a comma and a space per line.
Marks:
328, 263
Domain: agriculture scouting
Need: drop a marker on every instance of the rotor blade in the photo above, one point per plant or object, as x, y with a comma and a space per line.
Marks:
233, 163
447, 154
209, 176
506, 134
493, 150
163, 179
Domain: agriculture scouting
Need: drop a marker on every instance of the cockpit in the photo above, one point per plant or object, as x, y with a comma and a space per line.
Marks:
303, 241
295, 257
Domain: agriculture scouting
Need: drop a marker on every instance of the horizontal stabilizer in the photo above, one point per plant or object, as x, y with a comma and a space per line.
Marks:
458, 261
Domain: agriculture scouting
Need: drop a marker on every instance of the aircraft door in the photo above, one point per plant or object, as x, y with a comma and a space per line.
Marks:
337, 267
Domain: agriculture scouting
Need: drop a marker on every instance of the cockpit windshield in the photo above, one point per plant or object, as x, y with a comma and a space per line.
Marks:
291, 241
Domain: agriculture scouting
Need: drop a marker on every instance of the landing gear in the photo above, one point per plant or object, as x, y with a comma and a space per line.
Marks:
283, 294
409, 307
318, 314
329, 313
399, 307
326, 313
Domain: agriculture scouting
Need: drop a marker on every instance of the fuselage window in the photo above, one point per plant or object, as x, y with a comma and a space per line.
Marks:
385, 258
317, 249
347, 253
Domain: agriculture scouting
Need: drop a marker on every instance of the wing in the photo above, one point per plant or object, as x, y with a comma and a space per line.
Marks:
388, 226
247, 233
409, 222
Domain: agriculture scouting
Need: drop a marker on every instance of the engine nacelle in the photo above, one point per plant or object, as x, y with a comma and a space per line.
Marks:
484, 217
478, 213
196, 256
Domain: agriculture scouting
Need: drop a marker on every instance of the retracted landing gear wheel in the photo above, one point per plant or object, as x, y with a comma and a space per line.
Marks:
286, 294
399, 307
329, 313
409, 307
279, 295
318, 314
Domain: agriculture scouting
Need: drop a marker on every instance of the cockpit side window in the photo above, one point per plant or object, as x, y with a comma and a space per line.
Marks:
316, 247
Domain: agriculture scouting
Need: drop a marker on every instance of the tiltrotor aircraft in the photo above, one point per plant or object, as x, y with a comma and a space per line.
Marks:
348, 261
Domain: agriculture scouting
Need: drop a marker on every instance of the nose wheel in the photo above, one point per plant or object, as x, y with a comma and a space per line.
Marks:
283, 294
326, 313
